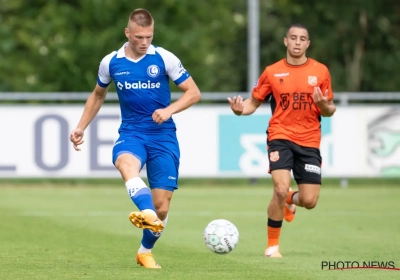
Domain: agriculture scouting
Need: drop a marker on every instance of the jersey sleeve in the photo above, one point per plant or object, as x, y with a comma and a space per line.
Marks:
263, 87
326, 85
104, 77
173, 67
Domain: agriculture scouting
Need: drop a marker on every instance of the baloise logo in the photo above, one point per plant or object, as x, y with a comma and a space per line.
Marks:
138, 85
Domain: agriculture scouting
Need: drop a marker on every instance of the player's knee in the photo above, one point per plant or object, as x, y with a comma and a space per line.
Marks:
281, 191
128, 165
161, 209
309, 203
162, 213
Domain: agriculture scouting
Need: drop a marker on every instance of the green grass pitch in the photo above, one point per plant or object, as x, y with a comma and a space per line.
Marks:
80, 230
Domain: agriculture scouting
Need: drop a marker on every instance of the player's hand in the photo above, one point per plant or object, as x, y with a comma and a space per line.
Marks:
76, 138
321, 100
161, 115
237, 105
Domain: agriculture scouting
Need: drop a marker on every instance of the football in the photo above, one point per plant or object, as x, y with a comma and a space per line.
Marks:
221, 236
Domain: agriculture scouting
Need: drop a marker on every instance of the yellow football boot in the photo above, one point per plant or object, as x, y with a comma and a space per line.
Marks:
146, 220
147, 260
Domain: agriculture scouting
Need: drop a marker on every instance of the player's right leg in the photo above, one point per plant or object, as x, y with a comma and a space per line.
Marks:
281, 163
129, 156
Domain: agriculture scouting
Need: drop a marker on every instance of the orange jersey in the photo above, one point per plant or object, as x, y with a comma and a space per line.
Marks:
295, 116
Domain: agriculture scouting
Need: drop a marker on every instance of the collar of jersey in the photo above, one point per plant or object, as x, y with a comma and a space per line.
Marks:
121, 51
296, 66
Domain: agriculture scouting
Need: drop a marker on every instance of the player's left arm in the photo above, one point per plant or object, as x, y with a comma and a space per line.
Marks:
191, 95
323, 97
179, 75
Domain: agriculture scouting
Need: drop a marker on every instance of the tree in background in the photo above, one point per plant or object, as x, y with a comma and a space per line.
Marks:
55, 45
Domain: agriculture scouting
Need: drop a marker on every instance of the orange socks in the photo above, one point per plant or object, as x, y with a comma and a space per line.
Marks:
274, 227
273, 231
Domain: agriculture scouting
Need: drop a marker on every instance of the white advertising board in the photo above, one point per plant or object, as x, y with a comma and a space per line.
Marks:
34, 142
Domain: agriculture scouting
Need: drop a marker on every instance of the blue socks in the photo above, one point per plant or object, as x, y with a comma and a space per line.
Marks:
140, 194
141, 197
150, 238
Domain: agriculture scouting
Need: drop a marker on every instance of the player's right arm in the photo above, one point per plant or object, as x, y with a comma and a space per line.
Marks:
260, 91
93, 103
244, 108
92, 106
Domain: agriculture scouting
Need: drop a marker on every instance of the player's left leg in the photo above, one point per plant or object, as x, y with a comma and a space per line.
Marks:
162, 173
307, 173
161, 201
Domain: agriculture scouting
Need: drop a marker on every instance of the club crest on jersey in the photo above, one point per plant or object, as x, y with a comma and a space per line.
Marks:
274, 156
284, 100
312, 80
153, 71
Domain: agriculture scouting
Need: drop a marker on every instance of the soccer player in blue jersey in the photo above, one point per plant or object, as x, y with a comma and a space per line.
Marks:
147, 134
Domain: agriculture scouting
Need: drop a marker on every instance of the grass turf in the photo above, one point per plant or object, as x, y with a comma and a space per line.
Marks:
59, 230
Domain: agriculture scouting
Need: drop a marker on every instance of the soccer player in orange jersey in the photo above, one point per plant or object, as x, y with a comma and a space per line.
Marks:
299, 90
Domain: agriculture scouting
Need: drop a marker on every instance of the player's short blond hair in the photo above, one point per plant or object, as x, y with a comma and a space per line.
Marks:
141, 17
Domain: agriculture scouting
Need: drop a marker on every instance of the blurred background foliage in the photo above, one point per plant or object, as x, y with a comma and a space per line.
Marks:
56, 45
